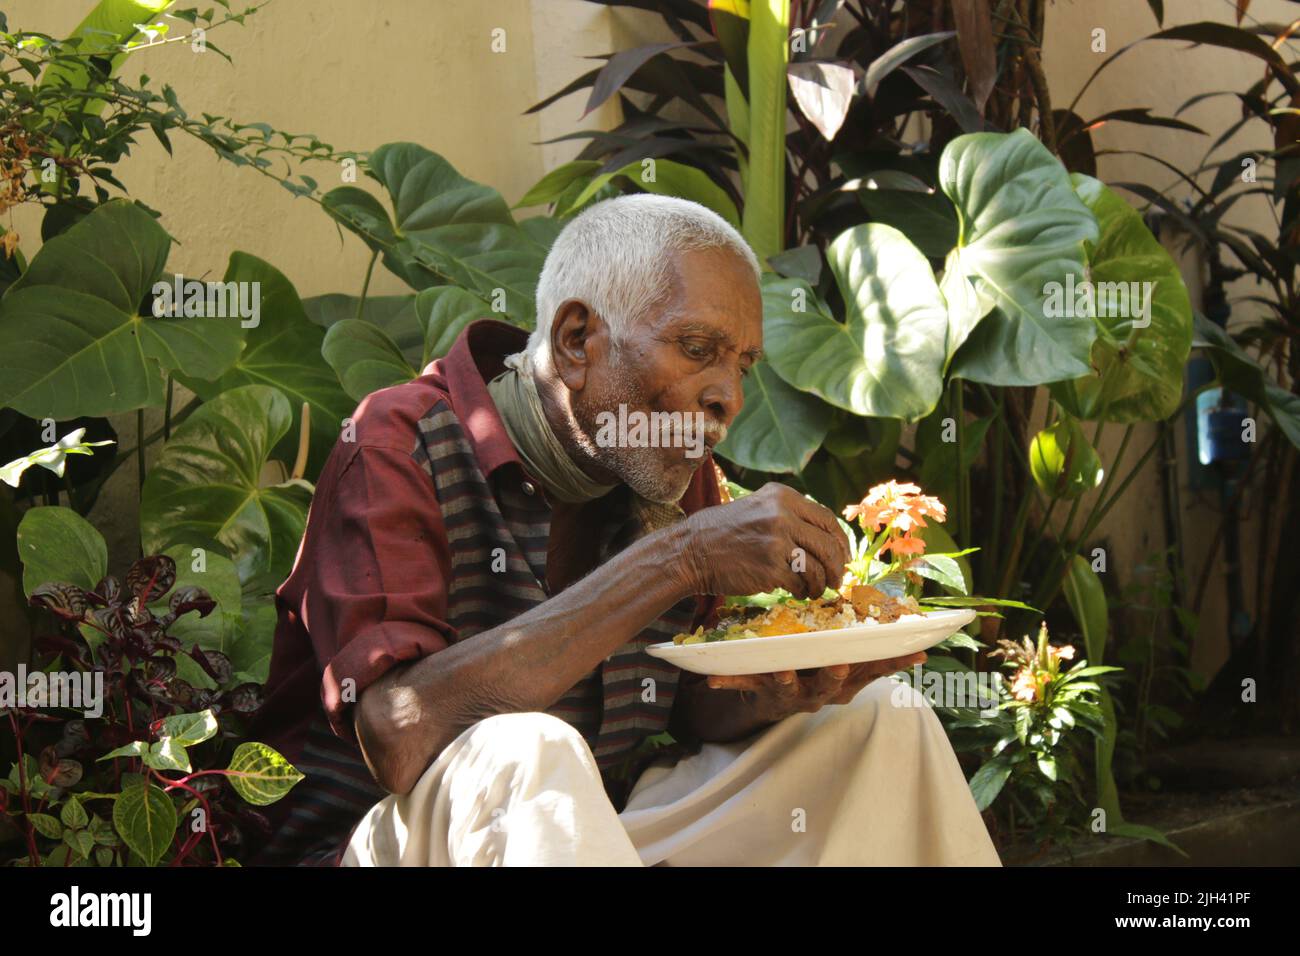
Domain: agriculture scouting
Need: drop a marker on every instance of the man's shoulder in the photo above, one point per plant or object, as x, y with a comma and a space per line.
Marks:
390, 417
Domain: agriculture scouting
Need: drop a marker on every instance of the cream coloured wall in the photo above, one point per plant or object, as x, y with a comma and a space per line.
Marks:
362, 74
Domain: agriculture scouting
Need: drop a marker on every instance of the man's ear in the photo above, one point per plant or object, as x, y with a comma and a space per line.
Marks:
577, 335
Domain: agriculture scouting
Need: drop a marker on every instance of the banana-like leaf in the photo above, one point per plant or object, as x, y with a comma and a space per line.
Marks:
551, 187
1087, 600
886, 358
768, 52
71, 340
205, 487
1138, 296
1021, 228
446, 229
284, 350
779, 427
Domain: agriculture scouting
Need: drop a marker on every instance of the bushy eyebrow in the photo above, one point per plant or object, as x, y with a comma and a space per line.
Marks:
715, 333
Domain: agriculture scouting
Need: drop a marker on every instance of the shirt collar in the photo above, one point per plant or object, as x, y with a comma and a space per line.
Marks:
476, 358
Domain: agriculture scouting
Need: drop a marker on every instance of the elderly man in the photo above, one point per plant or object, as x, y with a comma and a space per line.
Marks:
485, 563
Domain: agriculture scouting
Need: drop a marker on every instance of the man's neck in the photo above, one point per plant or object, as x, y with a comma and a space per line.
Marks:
560, 417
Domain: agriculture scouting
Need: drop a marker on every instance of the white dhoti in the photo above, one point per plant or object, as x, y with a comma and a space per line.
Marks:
868, 783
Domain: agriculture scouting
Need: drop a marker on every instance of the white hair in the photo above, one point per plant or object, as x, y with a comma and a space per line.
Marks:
616, 256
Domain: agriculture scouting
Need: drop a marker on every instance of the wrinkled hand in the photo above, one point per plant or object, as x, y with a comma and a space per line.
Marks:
783, 693
750, 545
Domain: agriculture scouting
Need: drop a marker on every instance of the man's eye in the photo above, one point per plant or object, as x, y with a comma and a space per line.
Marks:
695, 350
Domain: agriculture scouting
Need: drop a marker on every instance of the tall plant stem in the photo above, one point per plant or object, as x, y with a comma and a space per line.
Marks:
1052, 581
167, 411
139, 445
365, 286
999, 450
963, 474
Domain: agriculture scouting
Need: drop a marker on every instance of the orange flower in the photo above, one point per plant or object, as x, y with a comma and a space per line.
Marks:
897, 505
903, 545
1023, 686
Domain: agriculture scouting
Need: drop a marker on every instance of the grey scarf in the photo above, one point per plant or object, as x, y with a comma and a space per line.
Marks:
515, 394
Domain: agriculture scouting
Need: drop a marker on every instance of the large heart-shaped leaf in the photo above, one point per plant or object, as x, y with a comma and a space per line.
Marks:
1139, 357
1021, 228
779, 427
205, 487
284, 350
364, 358
395, 314
71, 341
443, 313
58, 545
886, 358
446, 229
215, 574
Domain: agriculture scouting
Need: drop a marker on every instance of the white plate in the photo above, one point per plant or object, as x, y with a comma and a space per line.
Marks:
789, 652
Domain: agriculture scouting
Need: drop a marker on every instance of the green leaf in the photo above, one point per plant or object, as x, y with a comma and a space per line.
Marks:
71, 343
1062, 462
443, 313
1239, 372
167, 754
80, 841
190, 729
260, 775
1138, 371
767, 54
550, 187
1047, 767
251, 655
395, 314
205, 486
219, 578
1021, 227
1138, 832
670, 179
779, 427
56, 544
145, 818
74, 814
46, 825
939, 541
886, 358
448, 229
927, 219
946, 571
988, 782
364, 358
136, 748
284, 350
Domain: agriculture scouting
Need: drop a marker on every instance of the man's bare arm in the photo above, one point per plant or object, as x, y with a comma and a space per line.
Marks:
406, 718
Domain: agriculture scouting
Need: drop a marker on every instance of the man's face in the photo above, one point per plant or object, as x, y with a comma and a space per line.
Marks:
688, 358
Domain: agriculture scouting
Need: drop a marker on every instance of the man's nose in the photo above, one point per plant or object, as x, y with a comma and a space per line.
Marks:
723, 399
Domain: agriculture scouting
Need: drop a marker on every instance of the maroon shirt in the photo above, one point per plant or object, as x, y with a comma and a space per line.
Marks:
370, 586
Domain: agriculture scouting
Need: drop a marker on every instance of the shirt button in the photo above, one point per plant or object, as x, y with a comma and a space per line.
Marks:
529, 488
